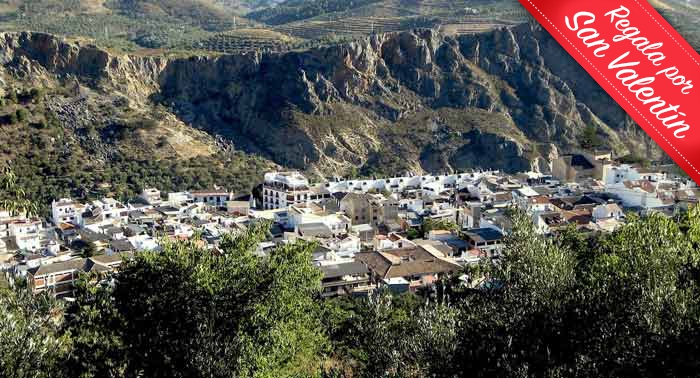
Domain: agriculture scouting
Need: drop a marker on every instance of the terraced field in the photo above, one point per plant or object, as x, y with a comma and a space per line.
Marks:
345, 27
371, 25
452, 17
246, 40
204, 25
473, 26
129, 25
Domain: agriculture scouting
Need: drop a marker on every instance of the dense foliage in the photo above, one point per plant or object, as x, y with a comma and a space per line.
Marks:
295, 10
53, 159
619, 304
180, 312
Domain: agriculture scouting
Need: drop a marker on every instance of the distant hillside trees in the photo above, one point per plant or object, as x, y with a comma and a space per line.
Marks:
296, 10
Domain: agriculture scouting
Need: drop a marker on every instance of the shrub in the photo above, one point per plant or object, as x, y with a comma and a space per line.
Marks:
12, 96
22, 115
35, 94
12, 118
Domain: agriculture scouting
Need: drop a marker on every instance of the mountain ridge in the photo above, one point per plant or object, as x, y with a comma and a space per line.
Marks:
514, 83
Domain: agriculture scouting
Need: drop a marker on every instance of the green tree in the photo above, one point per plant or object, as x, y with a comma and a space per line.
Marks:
12, 118
514, 322
590, 139
616, 304
93, 324
36, 94
397, 336
191, 312
412, 234
29, 342
89, 250
12, 95
22, 115
12, 197
430, 224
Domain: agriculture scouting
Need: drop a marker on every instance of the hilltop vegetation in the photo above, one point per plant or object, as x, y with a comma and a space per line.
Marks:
134, 25
160, 26
295, 10
123, 24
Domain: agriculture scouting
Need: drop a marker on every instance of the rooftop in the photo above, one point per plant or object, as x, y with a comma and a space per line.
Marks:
484, 235
212, 193
343, 269
406, 262
59, 267
292, 179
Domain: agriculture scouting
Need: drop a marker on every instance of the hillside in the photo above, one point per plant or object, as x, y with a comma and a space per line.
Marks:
414, 98
323, 19
165, 26
69, 135
410, 100
683, 15
127, 25
168, 27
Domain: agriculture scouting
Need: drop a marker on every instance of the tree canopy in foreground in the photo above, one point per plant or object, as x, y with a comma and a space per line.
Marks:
575, 305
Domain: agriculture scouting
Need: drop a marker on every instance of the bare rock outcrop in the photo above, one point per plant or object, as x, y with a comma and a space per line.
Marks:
515, 90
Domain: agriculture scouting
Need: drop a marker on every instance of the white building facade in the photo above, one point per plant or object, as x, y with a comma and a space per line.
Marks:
283, 189
65, 210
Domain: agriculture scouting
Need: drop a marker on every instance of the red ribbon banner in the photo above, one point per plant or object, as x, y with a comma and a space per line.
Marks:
640, 60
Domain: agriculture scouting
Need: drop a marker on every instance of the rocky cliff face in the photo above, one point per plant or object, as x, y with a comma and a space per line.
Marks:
413, 100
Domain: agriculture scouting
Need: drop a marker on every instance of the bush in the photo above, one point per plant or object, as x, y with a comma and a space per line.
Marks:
12, 118
143, 124
12, 96
42, 124
22, 115
590, 138
35, 94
